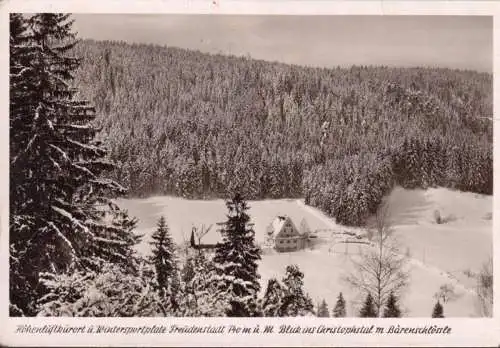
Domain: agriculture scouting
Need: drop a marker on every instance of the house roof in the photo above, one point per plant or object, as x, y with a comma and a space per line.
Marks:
278, 223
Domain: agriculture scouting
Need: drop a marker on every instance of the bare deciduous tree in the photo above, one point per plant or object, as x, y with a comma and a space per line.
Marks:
200, 233
381, 269
485, 289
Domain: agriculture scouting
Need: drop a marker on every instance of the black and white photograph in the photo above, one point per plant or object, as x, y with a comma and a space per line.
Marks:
209, 165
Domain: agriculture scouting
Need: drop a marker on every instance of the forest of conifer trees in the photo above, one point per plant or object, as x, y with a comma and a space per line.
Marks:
202, 126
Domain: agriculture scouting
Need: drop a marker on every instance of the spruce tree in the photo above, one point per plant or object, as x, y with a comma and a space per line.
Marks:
123, 226
392, 308
295, 301
339, 310
163, 255
21, 225
438, 311
20, 55
58, 193
368, 310
236, 260
323, 311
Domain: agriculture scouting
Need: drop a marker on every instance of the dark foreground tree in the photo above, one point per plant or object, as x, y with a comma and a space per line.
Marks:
296, 302
438, 311
339, 310
391, 309
59, 198
236, 260
163, 258
21, 291
368, 310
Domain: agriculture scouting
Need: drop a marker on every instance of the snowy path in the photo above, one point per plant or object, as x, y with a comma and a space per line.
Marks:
415, 262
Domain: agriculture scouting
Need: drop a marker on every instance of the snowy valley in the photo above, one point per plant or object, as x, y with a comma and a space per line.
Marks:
440, 254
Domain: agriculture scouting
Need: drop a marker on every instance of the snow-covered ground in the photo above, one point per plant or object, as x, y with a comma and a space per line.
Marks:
440, 253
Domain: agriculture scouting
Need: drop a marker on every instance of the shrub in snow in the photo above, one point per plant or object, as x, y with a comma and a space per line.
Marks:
110, 293
201, 295
437, 217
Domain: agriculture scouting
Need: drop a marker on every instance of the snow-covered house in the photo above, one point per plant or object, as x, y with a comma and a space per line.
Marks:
286, 236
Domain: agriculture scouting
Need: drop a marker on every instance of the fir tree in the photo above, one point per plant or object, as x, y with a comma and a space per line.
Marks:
339, 310
295, 301
19, 59
438, 311
163, 256
368, 310
21, 225
236, 259
124, 227
56, 164
392, 308
323, 311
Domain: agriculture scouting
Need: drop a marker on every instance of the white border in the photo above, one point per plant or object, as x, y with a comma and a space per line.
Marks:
465, 332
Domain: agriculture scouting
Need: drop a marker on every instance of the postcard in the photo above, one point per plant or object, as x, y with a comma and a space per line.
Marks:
235, 173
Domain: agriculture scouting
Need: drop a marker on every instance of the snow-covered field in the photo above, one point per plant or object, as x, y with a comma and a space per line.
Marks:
440, 253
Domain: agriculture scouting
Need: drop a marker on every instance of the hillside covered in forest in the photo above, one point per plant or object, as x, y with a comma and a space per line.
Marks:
195, 125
